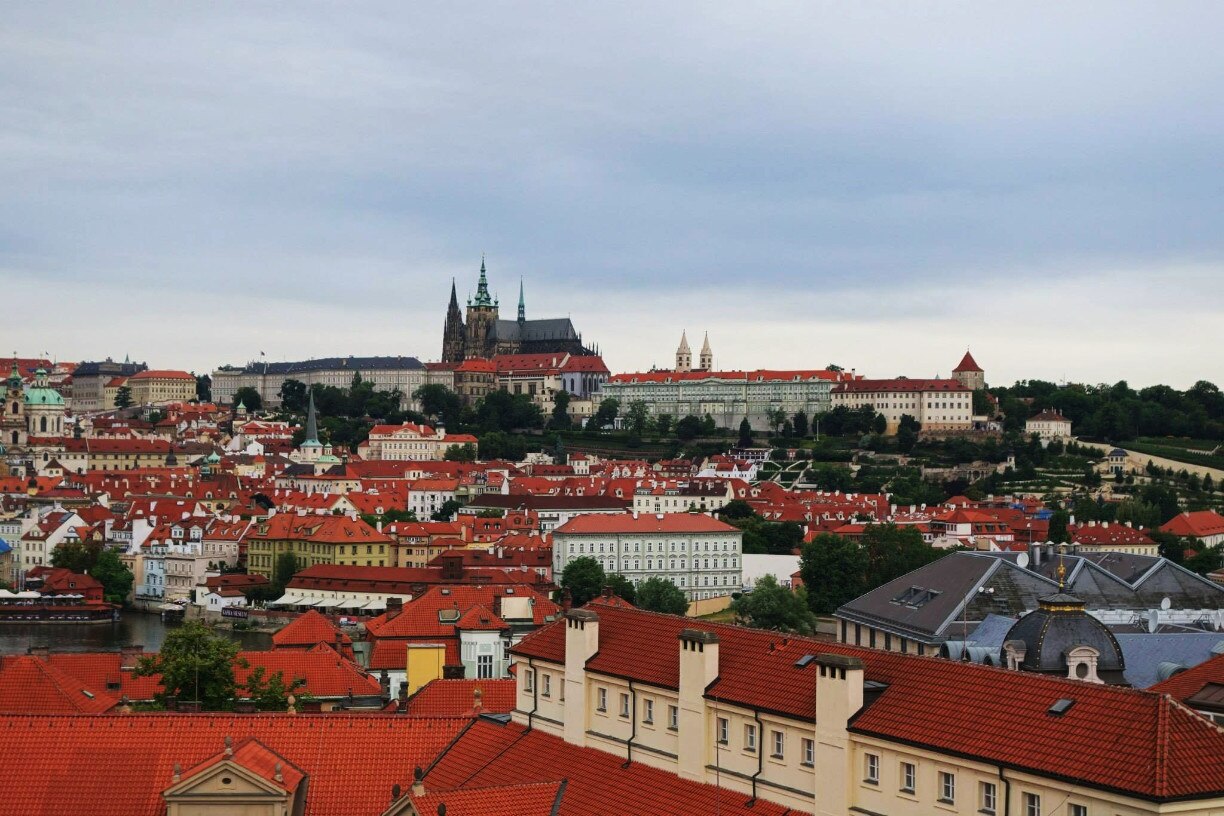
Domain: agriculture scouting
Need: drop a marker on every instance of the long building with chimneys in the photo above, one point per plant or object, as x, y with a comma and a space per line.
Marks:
484, 334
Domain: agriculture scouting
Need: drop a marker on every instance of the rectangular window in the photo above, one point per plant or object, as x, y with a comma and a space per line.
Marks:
602, 699
484, 667
809, 752
779, 744
1032, 804
724, 728
947, 787
648, 712
624, 705
909, 776
1077, 810
750, 737
547, 690
871, 768
673, 717
529, 681
989, 797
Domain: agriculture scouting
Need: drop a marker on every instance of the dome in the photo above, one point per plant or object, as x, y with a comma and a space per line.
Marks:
43, 396
1061, 638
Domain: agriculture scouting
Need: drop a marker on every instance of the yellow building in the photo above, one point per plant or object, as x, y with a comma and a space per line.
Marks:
832, 729
154, 387
316, 540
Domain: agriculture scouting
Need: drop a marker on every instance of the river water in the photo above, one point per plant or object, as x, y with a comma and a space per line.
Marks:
133, 629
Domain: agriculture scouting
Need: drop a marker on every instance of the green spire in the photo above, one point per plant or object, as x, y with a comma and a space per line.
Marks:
482, 288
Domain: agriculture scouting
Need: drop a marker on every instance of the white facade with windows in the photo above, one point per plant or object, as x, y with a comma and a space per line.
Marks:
939, 405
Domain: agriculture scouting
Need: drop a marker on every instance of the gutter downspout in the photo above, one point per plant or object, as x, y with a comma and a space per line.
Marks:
535, 695
1006, 792
633, 732
756, 715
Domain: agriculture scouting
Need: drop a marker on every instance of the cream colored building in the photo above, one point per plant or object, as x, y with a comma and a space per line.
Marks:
1049, 424
411, 442
405, 374
939, 405
834, 730
155, 387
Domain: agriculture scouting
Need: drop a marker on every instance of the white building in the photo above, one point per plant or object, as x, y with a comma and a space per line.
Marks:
1049, 424
411, 442
727, 396
406, 374
939, 405
697, 553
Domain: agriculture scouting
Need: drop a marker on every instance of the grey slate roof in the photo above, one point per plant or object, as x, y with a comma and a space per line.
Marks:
354, 364
555, 328
1145, 652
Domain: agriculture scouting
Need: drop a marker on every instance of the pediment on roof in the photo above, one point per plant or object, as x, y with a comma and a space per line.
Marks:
226, 779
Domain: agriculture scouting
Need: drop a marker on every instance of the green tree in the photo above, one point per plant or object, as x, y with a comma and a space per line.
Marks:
636, 417
447, 511
621, 586
772, 606
560, 418
1058, 527
271, 692
466, 452
584, 578
283, 571
893, 551
1207, 559
776, 416
113, 574
661, 595
249, 397
204, 388
293, 396
736, 509
745, 433
439, 403
663, 424
75, 555
688, 428
907, 433
606, 413
834, 572
800, 423
194, 664
123, 397
879, 424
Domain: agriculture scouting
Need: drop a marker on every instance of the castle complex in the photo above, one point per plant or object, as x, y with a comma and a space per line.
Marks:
485, 334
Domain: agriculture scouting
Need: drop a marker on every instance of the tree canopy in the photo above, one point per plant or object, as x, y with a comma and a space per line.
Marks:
772, 606
661, 595
584, 578
194, 664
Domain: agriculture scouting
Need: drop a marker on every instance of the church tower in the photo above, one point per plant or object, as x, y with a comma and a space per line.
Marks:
684, 356
13, 425
453, 334
707, 356
481, 318
969, 374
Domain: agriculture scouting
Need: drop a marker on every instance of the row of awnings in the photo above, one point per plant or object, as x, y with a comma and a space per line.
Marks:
328, 603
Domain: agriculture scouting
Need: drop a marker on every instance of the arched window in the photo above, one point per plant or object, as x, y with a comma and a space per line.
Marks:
16, 408
42, 424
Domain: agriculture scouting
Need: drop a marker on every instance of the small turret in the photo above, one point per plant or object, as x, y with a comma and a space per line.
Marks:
684, 355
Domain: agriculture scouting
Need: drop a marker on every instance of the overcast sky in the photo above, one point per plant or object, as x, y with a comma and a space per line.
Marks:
874, 185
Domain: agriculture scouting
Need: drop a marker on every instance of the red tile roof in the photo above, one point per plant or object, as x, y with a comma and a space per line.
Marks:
531, 799
1190, 682
897, 384
31, 685
480, 619
758, 375
154, 374
967, 363
68, 763
679, 523
326, 673
419, 618
456, 698
1114, 738
490, 754
257, 758
309, 629
1196, 523
321, 529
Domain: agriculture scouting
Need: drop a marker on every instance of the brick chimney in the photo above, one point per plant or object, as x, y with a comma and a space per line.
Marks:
581, 644
698, 668
129, 656
839, 696
394, 607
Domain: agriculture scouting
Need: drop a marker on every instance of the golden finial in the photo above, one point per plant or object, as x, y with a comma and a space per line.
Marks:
1062, 568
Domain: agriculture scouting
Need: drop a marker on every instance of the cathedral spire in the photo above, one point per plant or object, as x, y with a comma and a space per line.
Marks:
706, 359
522, 312
482, 288
312, 422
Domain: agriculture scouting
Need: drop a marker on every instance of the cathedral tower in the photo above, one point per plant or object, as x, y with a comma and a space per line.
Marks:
454, 333
684, 356
481, 319
707, 356
13, 425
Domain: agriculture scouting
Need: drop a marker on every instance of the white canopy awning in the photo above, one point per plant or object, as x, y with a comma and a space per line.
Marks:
169, 607
378, 604
306, 601
328, 602
286, 600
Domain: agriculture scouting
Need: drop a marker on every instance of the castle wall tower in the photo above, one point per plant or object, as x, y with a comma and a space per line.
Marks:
481, 318
707, 356
684, 356
454, 334
969, 374
13, 422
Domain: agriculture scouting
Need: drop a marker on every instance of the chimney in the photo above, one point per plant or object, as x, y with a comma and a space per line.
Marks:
581, 644
1034, 555
567, 600
839, 696
698, 669
129, 656
418, 782
396, 793
41, 652
394, 607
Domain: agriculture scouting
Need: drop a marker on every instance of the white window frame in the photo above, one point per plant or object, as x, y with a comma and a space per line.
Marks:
909, 777
871, 768
947, 787
723, 731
